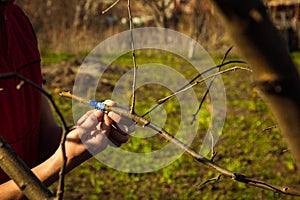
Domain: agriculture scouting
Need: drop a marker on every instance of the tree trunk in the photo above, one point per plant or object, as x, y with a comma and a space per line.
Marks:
274, 73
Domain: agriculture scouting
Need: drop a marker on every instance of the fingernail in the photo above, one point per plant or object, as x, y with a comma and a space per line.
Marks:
110, 102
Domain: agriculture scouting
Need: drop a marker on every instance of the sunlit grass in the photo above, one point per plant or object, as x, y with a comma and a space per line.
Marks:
244, 147
51, 58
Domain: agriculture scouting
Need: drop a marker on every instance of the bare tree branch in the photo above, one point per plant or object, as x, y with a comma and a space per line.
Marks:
110, 7
159, 102
201, 81
18, 171
208, 89
133, 58
170, 138
217, 178
160, 9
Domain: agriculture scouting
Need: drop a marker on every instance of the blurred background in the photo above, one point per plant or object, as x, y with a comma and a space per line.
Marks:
78, 25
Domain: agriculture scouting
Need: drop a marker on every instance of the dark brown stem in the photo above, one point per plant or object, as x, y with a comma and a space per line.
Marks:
18, 171
208, 89
194, 79
201, 81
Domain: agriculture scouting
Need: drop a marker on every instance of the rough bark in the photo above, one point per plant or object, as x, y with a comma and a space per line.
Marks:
17, 170
275, 74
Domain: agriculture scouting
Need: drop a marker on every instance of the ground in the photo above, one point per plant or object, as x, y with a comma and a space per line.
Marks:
248, 145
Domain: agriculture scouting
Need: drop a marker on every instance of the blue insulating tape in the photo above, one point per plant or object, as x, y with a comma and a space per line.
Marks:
97, 105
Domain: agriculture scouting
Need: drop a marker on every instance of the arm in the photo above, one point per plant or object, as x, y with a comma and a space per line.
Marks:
93, 128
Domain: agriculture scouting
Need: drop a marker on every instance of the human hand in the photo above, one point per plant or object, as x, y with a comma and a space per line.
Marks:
94, 131
121, 127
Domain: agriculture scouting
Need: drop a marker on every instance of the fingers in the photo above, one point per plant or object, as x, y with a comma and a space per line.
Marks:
88, 122
84, 117
106, 124
123, 124
120, 127
110, 103
120, 133
121, 119
99, 115
115, 117
96, 123
117, 138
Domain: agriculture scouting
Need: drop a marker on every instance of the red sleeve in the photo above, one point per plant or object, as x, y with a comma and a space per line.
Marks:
20, 109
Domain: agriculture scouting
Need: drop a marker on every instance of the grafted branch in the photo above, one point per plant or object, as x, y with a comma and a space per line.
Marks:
209, 163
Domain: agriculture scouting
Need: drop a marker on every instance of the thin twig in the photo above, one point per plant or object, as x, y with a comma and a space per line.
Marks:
133, 59
194, 79
209, 86
201, 81
217, 178
70, 96
213, 68
226, 54
133, 97
170, 138
110, 7
60, 189
270, 128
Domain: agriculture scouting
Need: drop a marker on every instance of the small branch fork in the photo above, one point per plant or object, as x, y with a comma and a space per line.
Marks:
225, 172
60, 188
208, 89
189, 85
201, 81
217, 178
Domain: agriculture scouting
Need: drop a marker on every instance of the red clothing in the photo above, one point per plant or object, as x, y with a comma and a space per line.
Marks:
19, 109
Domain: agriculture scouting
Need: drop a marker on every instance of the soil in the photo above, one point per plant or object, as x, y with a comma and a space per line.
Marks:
60, 75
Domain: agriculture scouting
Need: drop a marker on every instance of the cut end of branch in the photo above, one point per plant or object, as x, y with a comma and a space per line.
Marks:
69, 95
20, 85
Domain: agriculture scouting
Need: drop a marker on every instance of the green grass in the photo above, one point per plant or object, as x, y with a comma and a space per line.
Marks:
296, 57
51, 58
244, 147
